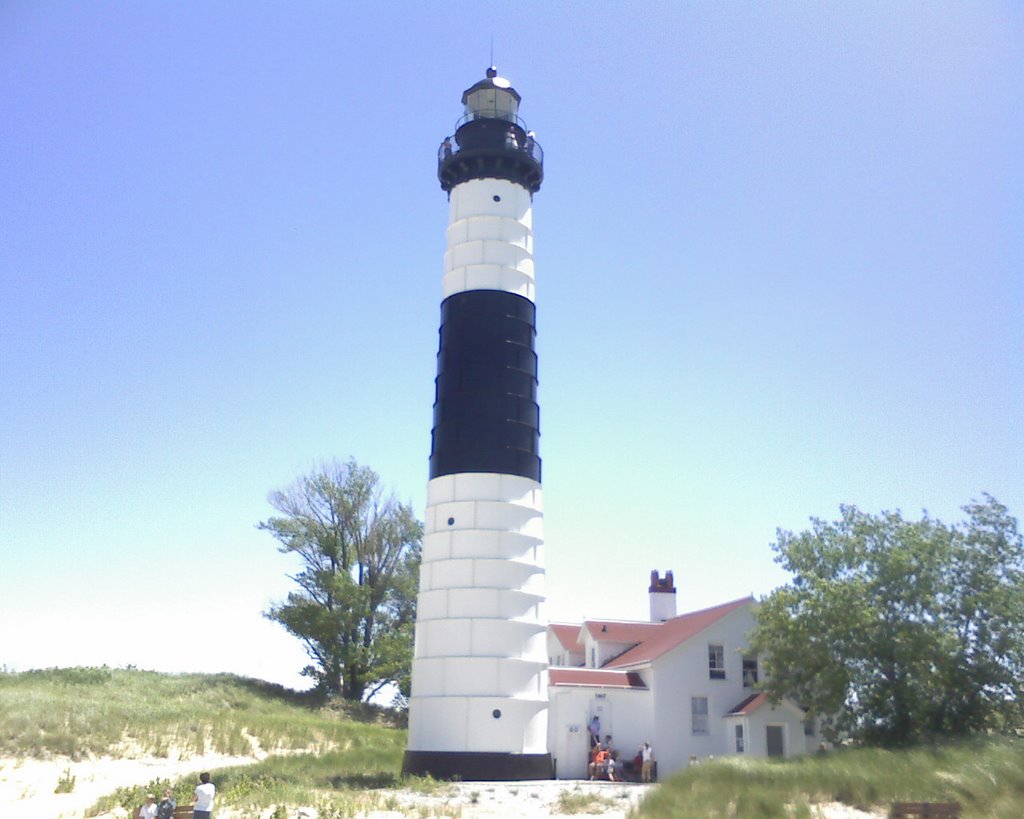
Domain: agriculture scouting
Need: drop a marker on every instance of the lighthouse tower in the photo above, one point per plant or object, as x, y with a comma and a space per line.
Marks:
479, 676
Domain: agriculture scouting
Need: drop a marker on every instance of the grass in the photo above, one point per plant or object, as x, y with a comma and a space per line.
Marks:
75, 712
571, 802
339, 783
66, 782
986, 776
337, 755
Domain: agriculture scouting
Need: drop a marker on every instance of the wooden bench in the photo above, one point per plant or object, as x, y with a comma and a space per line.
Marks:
924, 810
180, 812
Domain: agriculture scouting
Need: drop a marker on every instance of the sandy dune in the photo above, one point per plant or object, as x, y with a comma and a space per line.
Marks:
26, 785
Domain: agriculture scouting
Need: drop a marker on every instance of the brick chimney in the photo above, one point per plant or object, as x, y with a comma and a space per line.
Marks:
662, 595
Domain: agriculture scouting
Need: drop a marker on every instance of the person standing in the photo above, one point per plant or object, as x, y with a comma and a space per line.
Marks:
595, 731
202, 807
646, 763
165, 807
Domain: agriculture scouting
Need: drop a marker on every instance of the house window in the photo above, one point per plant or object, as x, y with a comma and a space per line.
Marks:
699, 714
716, 662
749, 671
739, 739
809, 727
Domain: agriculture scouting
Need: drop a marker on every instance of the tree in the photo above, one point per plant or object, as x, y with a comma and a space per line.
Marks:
355, 607
893, 630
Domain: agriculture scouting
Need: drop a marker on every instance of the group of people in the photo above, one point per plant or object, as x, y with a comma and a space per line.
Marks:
202, 805
604, 760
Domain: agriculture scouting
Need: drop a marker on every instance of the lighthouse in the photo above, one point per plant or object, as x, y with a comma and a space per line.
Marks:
478, 709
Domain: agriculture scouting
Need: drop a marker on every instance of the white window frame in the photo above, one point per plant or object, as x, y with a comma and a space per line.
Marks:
716, 661
750, 675
699, 720
740, 741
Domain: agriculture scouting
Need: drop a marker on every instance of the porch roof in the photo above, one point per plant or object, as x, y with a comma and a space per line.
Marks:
595, 677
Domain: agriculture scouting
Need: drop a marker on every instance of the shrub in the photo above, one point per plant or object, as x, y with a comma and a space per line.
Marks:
66, 783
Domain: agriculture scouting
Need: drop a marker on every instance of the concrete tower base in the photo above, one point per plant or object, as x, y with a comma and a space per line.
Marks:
473, 766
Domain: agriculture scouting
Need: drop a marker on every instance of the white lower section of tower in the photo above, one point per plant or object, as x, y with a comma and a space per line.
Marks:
479, 676
490, 238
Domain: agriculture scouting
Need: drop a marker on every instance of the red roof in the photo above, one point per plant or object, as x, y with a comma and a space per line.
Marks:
617, 631
755, 701
596, 677
656, 639
567, 634
750, 704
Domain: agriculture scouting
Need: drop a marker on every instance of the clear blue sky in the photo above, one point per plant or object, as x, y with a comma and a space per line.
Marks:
780, 256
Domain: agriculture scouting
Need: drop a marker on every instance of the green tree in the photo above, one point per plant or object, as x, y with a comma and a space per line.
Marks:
355, 607
893, 630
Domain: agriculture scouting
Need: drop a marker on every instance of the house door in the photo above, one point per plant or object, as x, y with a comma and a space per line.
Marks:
602, 710
577, 754
773, 739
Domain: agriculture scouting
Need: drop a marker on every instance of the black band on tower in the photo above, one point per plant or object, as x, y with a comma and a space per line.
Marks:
491, 148
486, 417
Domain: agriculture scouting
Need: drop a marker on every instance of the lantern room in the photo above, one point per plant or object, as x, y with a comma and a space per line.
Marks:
492, 98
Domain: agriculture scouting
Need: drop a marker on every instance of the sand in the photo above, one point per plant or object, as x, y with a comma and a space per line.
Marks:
26, 785
26, 792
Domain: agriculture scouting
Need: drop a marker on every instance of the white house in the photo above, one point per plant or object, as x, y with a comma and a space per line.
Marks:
685, 683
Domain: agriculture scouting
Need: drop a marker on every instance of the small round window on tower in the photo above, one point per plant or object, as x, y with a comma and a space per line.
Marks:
451, 521
497, 198
496, 713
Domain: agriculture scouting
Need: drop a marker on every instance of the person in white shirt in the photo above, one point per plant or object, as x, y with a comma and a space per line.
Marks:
148, 811
202, 808
647, 757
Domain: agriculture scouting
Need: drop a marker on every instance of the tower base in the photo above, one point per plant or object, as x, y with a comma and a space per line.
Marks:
470, 766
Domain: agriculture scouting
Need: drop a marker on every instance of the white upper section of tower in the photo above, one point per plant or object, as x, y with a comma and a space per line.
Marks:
490, 239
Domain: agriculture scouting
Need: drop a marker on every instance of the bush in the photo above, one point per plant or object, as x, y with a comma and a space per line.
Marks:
66, 783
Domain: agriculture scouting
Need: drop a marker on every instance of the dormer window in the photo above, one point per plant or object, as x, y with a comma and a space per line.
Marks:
749, 670
716, 662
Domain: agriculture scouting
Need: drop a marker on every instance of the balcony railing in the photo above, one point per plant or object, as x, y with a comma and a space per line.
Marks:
516, 138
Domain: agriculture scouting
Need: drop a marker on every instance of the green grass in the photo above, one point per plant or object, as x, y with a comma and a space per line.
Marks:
121, 713
66, 782
571, 802
336, 755
356, 777
986, 776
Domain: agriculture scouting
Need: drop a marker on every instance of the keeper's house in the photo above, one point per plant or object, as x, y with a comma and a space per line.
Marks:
685, 683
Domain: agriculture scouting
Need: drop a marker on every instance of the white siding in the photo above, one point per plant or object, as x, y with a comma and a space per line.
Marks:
682, 674
625, 714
